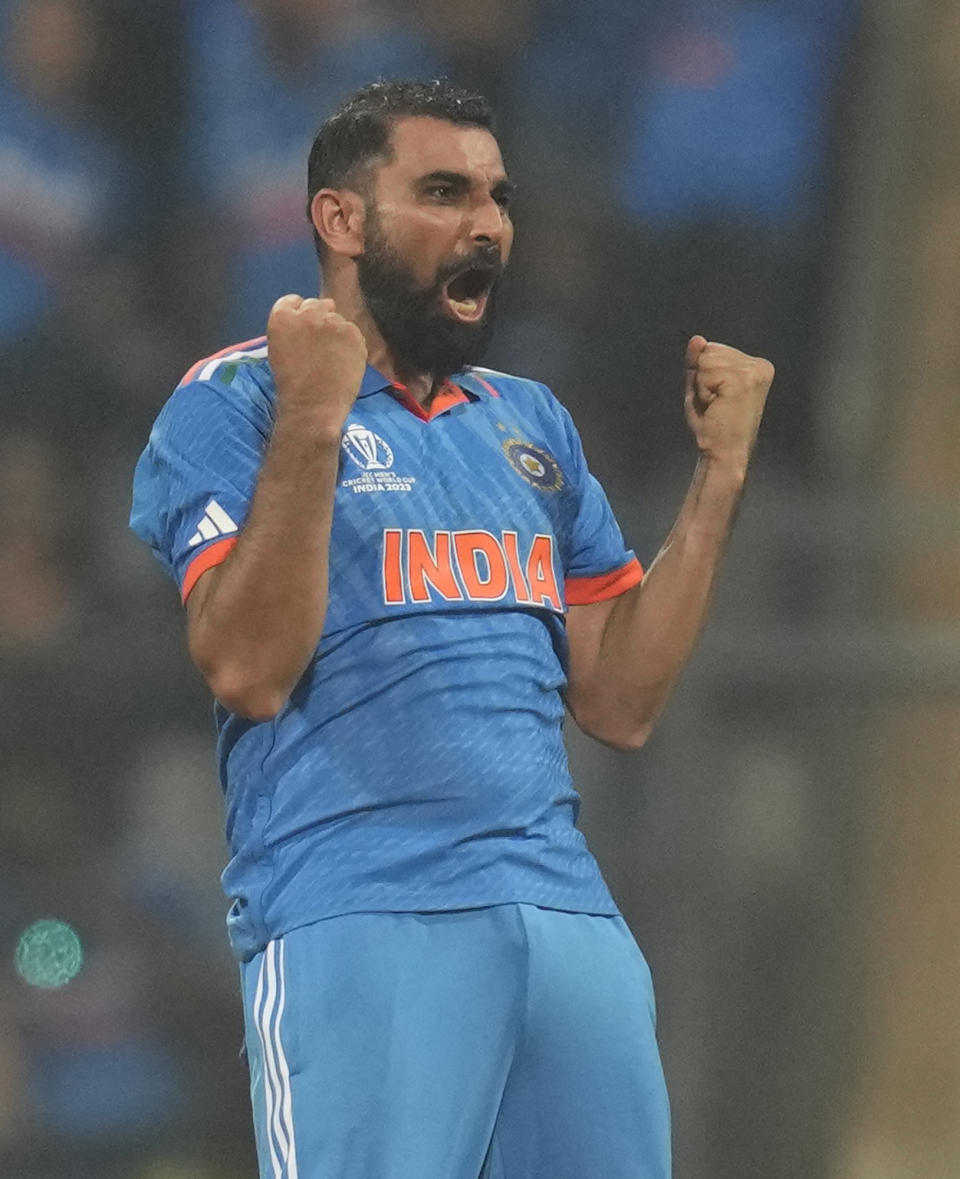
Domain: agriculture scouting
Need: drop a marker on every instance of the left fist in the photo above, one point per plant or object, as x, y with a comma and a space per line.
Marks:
724, 394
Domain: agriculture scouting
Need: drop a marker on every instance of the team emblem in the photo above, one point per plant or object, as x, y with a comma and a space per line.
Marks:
368, 450
537, 466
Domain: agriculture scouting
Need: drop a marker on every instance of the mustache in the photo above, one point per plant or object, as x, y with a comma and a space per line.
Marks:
485, 259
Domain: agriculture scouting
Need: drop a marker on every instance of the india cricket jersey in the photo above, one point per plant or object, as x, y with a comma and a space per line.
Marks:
418, 764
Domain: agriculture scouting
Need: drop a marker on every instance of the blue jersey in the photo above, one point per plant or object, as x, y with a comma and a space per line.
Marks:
418, 764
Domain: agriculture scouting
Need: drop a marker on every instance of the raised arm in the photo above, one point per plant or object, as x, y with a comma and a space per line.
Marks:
626, 653
255, 620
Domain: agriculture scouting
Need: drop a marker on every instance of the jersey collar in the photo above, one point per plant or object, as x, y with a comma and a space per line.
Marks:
375, 382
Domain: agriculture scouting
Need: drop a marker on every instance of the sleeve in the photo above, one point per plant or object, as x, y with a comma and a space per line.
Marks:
597, 565
195, 480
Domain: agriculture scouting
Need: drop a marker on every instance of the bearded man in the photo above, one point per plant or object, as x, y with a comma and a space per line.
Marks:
397, 572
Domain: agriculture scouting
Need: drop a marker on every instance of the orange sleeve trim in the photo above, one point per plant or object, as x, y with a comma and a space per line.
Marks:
581, 591
216, 554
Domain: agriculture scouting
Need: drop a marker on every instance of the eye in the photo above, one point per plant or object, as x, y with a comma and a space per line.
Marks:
502, 199
441, 192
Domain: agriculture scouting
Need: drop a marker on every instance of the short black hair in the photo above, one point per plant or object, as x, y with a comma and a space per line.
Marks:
359, 130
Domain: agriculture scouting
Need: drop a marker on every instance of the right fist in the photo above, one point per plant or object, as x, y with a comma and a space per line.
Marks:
317, 357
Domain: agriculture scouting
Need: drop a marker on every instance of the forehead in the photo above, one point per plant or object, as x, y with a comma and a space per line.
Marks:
423, 145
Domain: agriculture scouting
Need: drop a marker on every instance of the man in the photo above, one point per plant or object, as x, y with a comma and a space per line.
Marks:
397, 570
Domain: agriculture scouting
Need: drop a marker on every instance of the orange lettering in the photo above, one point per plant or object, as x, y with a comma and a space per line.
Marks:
470, 545
426, 566
513, 563
540, 574
392, 575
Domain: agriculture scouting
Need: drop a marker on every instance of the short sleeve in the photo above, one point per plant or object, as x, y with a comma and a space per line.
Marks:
195, 480
598, 565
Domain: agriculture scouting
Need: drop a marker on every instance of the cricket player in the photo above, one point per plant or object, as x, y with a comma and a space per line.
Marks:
398, 573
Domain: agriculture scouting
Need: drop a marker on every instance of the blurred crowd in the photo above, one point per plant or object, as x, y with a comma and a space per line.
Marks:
674, 163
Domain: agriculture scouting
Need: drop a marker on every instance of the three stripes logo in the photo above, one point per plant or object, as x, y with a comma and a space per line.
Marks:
216, 522
275, 1091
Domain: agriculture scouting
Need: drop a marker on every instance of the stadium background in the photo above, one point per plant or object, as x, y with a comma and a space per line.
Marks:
781, 175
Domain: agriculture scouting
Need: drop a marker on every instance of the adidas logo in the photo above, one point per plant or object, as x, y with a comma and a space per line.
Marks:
215, 522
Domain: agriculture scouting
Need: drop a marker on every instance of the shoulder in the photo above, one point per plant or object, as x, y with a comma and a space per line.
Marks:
507, 384
533, 399
520, 391
223, 366
234, 381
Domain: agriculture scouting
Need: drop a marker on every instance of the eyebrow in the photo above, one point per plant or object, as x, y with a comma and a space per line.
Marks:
462, 183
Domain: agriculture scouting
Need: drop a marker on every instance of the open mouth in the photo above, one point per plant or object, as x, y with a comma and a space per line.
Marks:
466, 294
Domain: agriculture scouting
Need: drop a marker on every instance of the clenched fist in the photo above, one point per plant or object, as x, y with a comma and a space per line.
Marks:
318, 360
724, 394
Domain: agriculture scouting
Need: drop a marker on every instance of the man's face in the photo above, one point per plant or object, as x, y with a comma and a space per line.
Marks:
437, 234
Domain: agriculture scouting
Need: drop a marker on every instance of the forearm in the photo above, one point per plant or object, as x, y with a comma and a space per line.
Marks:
254, 630
651, 630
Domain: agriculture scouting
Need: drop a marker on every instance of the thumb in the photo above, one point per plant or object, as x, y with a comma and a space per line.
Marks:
694, 348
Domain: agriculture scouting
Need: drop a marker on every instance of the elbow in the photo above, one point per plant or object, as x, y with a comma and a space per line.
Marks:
241, 691
624, 737
625, 733
254, 702
628, 739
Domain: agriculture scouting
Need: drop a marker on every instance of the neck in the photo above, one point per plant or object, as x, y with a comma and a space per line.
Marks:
350, 304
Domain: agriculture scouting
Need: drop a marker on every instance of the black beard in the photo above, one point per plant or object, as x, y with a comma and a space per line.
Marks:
420, 334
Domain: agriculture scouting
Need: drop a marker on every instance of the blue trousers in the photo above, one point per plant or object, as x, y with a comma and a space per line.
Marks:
510, 1042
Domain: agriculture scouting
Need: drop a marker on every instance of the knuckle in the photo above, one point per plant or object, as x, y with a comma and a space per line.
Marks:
286, 302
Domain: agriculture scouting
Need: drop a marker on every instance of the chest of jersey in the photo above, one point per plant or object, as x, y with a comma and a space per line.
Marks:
469, 510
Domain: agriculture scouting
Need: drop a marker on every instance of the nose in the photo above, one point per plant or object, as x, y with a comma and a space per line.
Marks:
488, 222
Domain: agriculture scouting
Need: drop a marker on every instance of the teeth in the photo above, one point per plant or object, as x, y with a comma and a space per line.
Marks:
469, 307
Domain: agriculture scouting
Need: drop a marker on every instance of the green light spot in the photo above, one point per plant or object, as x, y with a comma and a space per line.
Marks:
48, 954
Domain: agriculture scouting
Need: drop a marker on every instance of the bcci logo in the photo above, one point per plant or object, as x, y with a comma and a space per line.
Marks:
537, 466
368, 450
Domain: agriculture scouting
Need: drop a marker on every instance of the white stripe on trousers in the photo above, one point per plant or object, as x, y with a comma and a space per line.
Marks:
268, 1008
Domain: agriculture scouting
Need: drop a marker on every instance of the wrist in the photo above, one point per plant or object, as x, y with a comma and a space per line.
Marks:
725, 469
313, 423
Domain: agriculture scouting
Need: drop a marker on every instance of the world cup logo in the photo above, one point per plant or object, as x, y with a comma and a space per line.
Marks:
368, 450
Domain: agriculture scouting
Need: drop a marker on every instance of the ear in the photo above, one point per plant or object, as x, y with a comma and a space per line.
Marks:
338, 216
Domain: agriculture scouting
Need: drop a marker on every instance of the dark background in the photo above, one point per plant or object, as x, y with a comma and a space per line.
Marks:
712, 166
